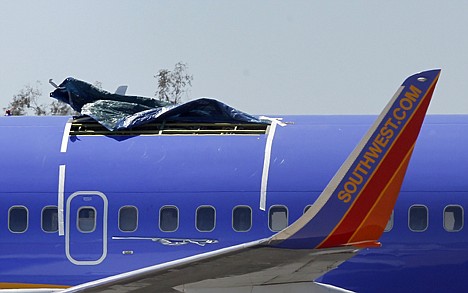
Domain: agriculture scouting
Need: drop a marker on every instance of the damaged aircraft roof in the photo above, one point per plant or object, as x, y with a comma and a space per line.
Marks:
120, 112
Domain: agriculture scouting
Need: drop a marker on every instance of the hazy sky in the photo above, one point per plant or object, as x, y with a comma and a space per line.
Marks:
263, 57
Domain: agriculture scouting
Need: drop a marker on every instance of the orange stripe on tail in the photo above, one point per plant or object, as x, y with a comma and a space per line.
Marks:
374, 224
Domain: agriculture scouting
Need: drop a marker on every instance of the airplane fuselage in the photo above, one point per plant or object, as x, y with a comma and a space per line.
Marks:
137, 200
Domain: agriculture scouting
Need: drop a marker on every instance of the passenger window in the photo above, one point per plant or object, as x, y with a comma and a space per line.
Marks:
242, 218
128, 219
50, 219
278, 218
205, 219
389, 223
453, 218
18, 219
86, 219
418, 218
168, 219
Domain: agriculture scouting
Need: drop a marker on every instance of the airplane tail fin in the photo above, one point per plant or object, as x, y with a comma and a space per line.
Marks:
356, 204
121, 90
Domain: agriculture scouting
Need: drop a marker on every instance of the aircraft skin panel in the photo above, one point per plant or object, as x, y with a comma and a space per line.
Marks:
442, 145
147, 164
30, 146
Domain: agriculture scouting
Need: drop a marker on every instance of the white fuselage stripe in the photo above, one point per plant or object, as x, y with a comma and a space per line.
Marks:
60, 200
66, 132
266, 160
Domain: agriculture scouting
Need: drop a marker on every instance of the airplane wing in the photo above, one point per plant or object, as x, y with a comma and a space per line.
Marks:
350, 214
242, 265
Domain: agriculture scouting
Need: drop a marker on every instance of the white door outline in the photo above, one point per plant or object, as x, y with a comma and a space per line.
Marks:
104, 229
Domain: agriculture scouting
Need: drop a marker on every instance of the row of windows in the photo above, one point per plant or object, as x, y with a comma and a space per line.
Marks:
205, 218
418, 218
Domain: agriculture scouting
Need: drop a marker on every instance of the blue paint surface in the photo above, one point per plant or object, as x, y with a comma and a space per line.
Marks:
224, 172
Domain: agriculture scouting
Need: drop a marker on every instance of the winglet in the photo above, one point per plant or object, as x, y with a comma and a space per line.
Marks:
357, 203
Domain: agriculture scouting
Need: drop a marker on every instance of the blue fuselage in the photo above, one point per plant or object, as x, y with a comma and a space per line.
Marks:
100, 175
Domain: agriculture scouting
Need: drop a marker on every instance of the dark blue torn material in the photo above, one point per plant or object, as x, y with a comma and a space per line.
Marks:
118, 112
